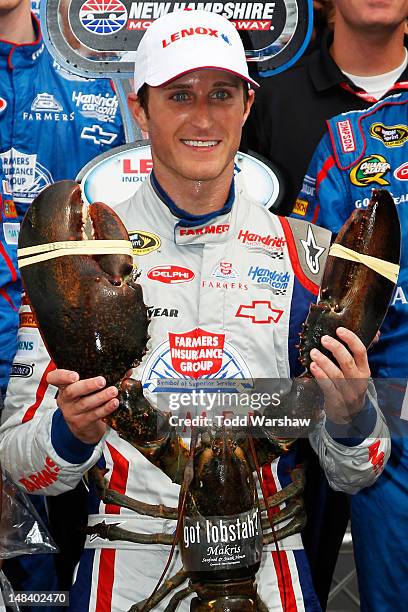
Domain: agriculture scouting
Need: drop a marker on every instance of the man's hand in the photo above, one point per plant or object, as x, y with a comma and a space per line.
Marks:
344, 386
84, 403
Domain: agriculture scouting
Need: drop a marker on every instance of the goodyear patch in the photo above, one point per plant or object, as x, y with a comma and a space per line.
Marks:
390, 135
144, 242
301, 207
27, 319
370, 170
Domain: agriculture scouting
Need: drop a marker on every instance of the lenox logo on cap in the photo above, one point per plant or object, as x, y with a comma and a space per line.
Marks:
189, 32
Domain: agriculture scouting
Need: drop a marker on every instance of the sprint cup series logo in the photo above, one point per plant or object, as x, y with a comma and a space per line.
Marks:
103, 16
191, 355
144, 242
390, 135
370, 170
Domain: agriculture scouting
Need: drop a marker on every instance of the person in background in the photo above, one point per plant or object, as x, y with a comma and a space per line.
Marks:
360, 61
51, 124
323, 14
363, 150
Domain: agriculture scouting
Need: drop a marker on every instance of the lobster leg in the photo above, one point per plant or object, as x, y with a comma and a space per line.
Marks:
109, 496
294, 488
177, 598
169, 585
261, 606
113, 532
148, 430
293, 527
292, 509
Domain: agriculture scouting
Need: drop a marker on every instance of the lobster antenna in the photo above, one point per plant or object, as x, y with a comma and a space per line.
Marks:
185, 485
269, 514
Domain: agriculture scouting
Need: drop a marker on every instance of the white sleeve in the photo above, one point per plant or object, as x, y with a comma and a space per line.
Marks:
351, 468
36, 446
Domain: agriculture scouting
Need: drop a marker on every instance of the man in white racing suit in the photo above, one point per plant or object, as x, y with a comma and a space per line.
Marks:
227, 285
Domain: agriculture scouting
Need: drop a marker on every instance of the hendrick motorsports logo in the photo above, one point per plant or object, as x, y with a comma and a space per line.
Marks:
370, 170
103, 16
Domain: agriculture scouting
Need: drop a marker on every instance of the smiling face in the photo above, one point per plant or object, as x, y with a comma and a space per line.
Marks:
194, 124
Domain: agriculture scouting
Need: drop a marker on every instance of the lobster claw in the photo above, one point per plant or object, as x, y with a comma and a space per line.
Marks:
359, 278
77, 269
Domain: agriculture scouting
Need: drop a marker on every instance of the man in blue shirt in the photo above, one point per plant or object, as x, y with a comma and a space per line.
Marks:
361, 151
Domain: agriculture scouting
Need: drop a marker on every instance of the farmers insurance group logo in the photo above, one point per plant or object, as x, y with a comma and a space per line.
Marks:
103, 16
197, 353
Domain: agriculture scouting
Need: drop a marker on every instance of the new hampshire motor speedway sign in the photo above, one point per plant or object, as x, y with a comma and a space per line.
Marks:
99, 37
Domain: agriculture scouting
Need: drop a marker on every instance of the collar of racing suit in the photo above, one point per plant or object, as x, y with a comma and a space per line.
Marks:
195, 229
23, 55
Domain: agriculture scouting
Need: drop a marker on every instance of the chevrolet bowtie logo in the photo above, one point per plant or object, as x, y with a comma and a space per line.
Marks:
259, 311
97, 135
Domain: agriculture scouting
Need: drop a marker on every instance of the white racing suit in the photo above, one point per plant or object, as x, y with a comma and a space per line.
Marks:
235, 285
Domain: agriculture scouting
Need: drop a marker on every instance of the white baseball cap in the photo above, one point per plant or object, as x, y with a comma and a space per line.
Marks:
182, 41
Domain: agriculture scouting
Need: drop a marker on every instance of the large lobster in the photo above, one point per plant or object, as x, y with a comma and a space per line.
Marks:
81, 258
